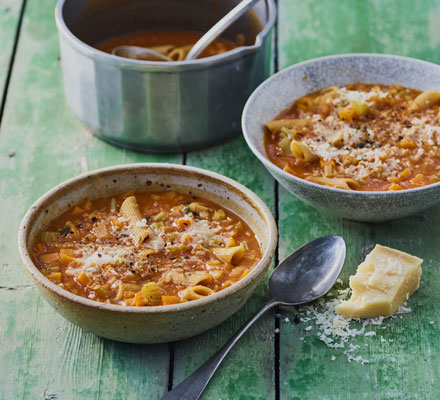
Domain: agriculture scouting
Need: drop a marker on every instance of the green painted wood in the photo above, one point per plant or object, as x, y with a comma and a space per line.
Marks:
313, 28
406, 364
41, 354
248, 371
9, 17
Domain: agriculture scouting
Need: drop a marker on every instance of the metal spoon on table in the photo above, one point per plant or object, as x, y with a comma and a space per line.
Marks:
137, 52
307, 274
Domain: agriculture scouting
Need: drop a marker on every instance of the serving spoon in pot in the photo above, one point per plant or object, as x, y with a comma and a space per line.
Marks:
144, 53
307, 274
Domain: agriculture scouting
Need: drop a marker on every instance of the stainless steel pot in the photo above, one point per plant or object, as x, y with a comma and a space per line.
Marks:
159, 106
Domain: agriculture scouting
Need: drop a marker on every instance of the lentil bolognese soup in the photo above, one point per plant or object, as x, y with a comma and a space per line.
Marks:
366, 137
146, 249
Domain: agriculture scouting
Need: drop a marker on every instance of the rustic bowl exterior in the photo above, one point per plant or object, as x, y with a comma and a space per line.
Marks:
279, 91
149, 324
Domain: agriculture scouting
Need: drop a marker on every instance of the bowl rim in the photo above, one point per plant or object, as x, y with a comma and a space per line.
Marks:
271, 166
250, 197
164, 66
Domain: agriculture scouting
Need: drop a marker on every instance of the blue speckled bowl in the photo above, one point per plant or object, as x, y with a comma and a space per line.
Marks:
279, 91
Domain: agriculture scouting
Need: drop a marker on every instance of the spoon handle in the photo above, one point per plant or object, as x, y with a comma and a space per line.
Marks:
193, 386
220, 27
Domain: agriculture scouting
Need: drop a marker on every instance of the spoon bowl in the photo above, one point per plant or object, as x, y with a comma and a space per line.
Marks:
307, 274
139, 53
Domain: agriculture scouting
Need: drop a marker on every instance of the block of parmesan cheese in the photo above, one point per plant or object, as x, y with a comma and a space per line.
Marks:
382, 283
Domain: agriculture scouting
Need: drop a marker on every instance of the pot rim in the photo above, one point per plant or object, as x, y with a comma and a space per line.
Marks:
164, 66
247, 195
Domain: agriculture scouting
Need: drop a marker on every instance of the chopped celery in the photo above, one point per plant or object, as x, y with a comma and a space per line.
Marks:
162, 216
284, 144
113, 205
47, 237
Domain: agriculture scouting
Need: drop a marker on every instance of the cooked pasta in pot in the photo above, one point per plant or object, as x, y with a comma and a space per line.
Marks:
360, 137
173, 44
146, 249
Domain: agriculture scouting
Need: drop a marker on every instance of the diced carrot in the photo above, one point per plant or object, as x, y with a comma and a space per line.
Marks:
67, 252
289, 170
39, 247
139, 300
65, 259
49, 258
55, 277
87, 205
168, 196
405, 173
116, 222
183, 223
347, 114
245, 272
230, 242
166, 300
418, 180
83, 279
77, 211
407, 144
395, 186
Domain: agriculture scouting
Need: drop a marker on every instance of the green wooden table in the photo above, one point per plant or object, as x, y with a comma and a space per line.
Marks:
42, 356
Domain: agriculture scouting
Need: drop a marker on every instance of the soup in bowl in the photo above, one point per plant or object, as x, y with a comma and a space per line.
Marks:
147, 253
352, 135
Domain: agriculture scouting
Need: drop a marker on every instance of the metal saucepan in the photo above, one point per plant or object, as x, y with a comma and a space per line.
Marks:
158, 106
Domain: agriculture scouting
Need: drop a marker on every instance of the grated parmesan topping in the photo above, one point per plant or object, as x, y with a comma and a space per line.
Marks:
345, 96
203, 232
333, 139
93, 259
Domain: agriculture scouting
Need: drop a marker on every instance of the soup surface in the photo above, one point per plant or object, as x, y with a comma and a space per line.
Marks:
146, 249
360, 137
174, 44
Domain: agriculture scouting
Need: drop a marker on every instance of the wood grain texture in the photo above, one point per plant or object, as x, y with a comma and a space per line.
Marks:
9, 18
41, 354
404, 355
248, 371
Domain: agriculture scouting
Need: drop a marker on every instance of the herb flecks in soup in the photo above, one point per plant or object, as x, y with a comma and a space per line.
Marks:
360, 137
146, 249
173, 44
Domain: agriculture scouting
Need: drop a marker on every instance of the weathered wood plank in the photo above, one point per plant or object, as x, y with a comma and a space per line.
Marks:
312, 28
48, 355
248, 371
404, 355
9, 18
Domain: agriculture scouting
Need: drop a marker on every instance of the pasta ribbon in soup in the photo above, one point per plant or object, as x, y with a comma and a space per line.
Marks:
197, 292
173, 44
146, 249
368, 137
130, 210
231, 255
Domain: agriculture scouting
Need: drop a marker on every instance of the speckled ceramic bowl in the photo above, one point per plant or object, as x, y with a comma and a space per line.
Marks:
150, 324
279, 91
